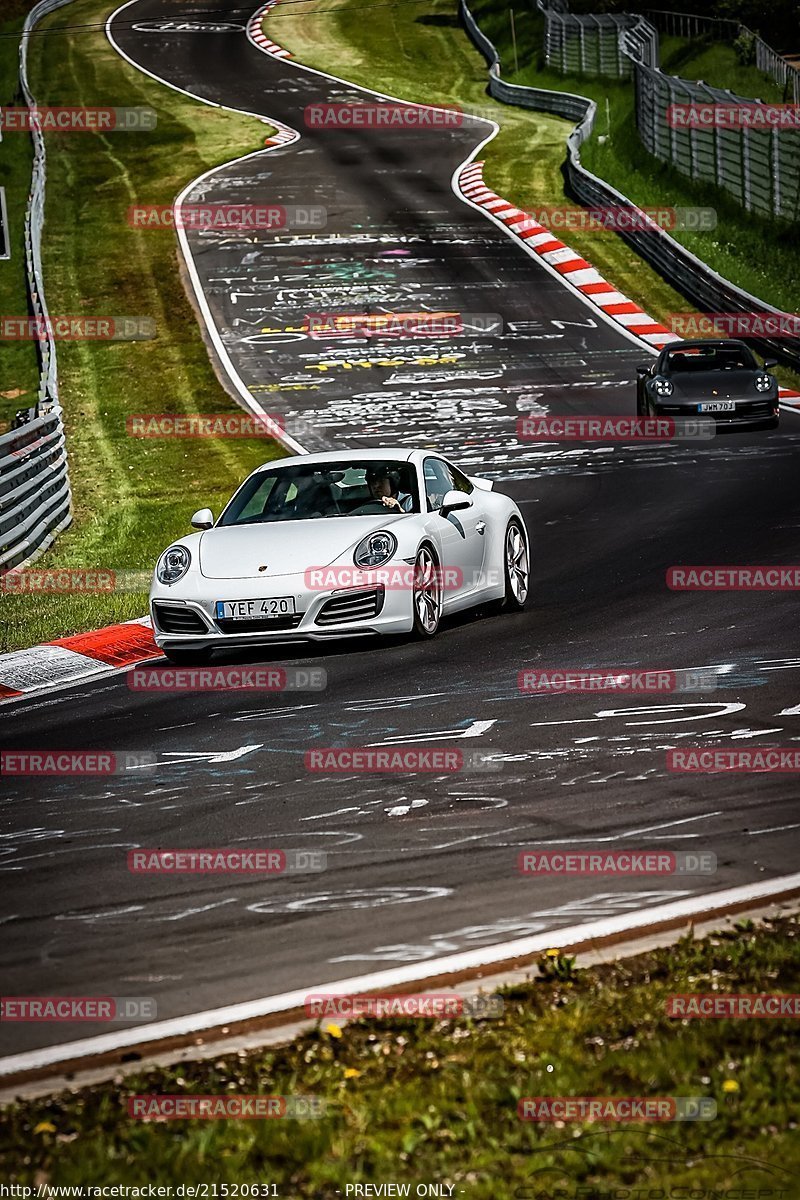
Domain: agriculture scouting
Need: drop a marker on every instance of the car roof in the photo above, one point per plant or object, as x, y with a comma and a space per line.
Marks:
370, 454
709, 343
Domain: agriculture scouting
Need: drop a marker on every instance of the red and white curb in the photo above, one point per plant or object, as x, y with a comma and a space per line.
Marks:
71, 659
256, 35
574, 269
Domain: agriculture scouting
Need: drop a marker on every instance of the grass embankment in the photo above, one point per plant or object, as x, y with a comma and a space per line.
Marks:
132, 496
718, 65
403, 48
424, 1101
19, 367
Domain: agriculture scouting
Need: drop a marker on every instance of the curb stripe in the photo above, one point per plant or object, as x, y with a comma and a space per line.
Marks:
575, 269
72, 659
115, 645
258, 38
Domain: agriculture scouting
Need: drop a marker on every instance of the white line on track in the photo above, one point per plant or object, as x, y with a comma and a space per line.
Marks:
475, 960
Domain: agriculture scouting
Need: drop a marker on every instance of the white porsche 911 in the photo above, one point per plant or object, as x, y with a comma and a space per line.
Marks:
332, 545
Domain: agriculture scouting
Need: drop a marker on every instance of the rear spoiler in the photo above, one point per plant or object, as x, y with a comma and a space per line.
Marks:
485, 485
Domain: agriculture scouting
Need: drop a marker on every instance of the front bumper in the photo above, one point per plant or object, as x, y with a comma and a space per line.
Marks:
748, 411
185, 613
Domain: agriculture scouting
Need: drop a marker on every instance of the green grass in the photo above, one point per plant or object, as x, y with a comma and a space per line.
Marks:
19, 373
132, 496
433, 1101
717, 64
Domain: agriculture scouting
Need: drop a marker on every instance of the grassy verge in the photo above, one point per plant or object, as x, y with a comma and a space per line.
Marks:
132, 496
19, 374
402, 49
411, 1101
717, 64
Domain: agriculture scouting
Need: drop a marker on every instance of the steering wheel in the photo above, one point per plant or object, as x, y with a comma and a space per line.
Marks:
370, 507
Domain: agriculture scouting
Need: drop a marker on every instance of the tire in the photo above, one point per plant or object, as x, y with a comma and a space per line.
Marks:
186, 656
516, 563
641, 407
426, 594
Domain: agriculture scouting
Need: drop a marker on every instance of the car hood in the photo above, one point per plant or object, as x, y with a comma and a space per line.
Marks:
713, 385
283, 547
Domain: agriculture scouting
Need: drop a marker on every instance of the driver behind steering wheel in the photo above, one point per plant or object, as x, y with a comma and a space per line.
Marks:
383, 488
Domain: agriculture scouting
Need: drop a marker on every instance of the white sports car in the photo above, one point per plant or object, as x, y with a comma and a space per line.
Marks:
334, 545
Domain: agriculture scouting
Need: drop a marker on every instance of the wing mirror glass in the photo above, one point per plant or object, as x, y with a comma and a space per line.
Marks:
770, 364
455, 500
643, 369
202, 519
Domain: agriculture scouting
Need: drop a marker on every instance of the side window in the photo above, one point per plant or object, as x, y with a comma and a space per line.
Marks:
438, 482
460, 481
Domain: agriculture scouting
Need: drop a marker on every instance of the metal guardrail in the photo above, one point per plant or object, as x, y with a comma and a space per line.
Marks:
690, 25
592, 44
704, 287
5, 233
759, 168
34, 488
35, 496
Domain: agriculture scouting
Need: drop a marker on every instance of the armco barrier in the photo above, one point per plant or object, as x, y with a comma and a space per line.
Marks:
691, 25
690, 276
34, 488
760, 168
35, 497
592, 44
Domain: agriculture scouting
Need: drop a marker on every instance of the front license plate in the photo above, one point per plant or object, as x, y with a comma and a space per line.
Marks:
717, 406
247, 610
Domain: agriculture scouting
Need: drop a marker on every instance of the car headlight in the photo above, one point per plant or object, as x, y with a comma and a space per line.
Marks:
763, 382
375, 550
662, 387
173, 564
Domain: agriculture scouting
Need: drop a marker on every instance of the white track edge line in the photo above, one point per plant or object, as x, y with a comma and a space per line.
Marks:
469, 960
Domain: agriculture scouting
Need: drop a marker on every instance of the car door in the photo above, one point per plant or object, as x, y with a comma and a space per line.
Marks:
462, 533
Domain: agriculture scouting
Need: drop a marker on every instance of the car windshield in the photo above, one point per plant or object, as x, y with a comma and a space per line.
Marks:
710, 358
319, 490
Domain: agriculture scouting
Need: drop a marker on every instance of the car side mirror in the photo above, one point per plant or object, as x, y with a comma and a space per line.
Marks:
202, 519
455, 500
643, 369
770, 364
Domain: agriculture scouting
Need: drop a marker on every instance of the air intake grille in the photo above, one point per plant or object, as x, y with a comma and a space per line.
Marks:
351, 606
171, 619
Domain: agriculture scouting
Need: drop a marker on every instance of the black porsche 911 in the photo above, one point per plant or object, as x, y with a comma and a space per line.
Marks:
719, 379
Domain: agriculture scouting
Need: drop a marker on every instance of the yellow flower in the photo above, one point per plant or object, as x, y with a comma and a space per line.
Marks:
730, 1085
334, 1030
45, 1127
351, 1073
552, 953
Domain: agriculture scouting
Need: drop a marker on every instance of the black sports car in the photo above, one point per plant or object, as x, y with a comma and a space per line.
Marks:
719, 379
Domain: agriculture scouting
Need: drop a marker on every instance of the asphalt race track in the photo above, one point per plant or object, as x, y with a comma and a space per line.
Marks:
420, 866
